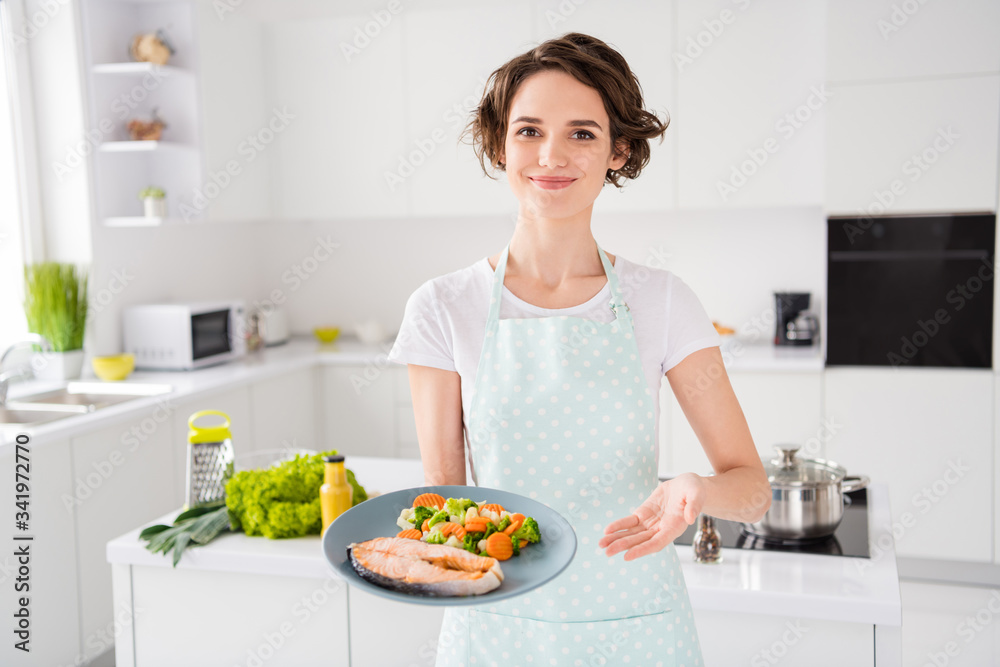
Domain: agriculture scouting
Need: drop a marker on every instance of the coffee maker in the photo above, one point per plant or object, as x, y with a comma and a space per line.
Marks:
793, 324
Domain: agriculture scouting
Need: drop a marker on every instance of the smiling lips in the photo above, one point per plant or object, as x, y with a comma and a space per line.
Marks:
551, 182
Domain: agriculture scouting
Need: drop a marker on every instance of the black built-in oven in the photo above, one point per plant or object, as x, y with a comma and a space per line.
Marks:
907, 291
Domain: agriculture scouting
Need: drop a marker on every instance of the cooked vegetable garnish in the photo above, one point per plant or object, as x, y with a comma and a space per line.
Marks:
484, 529
429, 500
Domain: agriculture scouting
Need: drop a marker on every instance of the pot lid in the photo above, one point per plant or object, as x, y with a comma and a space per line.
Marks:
789, 469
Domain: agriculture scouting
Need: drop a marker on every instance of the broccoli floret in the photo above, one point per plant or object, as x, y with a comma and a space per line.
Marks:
471, 543
517, 547
504, 522
420, 513
528, 531
458, 506
490, 529
436, 537
439, 516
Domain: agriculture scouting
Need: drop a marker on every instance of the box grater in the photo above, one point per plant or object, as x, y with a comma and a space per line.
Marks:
209, 459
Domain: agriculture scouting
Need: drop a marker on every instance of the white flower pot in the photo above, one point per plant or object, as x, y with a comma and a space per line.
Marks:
156, 207
57, 366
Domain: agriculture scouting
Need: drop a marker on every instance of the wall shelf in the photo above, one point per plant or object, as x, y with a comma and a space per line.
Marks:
144, 147
134, 69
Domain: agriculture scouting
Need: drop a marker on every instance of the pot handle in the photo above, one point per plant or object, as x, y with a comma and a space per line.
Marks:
854, 483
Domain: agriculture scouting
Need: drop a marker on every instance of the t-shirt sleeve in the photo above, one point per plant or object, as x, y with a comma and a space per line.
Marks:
423, 339
689, 328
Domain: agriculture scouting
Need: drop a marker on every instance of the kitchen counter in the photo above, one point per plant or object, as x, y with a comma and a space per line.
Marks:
300, 353
842, 590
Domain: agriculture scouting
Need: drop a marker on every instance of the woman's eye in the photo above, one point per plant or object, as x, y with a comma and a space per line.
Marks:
525, 130
583, 134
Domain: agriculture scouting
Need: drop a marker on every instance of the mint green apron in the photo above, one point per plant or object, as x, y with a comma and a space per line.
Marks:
561, 412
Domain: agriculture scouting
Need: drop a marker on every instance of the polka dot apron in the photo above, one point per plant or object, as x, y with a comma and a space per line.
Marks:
561, 412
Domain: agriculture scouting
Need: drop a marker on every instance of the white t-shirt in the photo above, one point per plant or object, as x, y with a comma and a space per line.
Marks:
444, 323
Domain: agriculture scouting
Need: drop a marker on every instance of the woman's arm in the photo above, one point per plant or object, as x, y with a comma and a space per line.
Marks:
437, 409
739, 490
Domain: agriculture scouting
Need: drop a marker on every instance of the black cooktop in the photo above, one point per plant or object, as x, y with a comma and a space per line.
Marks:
850, 538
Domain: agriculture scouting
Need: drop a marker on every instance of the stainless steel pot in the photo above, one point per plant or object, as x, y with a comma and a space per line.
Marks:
807, 496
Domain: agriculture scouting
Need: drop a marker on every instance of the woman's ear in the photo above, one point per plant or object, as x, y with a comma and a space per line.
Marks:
621, 155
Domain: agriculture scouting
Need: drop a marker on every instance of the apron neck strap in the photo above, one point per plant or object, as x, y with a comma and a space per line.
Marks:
618, 305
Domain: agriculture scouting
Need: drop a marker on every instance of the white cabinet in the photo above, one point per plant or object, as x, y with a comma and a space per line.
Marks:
921, 145
122, 477
359, 410
414, 635
337, 156
235, 402
368, 411
647, 45
445, 69
928, 434
729, 638
55, 621
779, 408
751, 103
885, 39
283, 411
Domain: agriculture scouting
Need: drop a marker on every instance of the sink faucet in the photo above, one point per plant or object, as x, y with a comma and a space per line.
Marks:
21, 371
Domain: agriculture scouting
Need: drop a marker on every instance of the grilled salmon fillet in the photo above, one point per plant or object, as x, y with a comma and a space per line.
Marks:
418, 568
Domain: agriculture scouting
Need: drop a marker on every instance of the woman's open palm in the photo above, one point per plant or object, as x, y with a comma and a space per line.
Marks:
670, 509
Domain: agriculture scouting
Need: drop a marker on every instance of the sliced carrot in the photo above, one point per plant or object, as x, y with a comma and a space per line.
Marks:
509, 530
429, 500
426, 525
410, 533
517, 516
451, 528
522, 544
475, 526
499, 546
493, 507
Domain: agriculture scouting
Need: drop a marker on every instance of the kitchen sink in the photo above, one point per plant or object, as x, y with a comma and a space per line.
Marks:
73, 399
24, 417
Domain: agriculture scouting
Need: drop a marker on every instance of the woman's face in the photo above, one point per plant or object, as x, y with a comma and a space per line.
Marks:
558, 145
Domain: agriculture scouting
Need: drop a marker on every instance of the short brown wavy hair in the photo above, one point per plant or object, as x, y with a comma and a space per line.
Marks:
593, 63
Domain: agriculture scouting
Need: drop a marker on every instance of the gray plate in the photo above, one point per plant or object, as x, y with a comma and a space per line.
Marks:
537, 564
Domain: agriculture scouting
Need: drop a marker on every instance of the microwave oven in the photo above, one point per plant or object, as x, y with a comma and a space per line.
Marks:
184, 336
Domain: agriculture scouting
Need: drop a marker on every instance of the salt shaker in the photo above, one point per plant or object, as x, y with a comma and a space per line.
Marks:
707, 544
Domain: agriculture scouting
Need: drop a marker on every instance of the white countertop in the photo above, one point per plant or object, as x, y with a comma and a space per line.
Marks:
834, 588
299, 353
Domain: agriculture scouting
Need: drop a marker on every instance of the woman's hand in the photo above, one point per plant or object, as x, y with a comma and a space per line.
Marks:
669, 510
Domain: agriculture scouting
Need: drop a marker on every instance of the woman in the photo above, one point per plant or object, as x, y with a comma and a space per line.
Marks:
540, 364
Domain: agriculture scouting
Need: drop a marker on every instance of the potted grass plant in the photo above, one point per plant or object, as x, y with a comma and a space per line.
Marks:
55, 305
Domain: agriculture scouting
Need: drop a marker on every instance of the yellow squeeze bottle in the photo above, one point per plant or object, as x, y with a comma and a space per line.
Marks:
335, 495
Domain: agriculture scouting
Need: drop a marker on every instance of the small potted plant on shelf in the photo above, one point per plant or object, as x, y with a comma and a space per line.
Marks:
154, 202
55, 305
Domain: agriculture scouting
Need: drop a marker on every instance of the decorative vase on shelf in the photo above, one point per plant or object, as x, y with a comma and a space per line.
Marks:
154, 202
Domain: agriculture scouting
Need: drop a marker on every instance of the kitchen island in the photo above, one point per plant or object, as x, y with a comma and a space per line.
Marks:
253, 602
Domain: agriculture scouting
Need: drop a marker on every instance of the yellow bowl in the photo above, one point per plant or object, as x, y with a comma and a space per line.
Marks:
326, 334
113, 368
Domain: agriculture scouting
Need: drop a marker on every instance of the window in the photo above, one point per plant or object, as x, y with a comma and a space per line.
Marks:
12, 322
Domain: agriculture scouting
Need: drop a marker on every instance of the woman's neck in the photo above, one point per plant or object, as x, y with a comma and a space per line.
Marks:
551, 253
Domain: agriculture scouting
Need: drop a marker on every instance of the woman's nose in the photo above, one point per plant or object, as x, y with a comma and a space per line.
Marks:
552, 153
